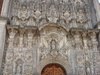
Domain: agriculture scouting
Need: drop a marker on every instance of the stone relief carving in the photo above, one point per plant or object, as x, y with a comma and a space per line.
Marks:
67, 16
80, 16
19, 69
9, 56
52, 14
44, 9
37, 15
22, 44
53, 44
15, 8
42, 12
53, 50
23, 12
29, 56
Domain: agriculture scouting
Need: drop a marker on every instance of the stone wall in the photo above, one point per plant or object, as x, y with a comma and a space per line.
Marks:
51, 31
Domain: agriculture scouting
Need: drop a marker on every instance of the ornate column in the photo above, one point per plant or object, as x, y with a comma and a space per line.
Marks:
3, 22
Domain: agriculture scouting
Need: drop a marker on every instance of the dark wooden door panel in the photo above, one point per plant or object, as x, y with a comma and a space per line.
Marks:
53, 69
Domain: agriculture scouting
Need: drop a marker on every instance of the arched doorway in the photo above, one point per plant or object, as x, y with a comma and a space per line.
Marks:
53, 69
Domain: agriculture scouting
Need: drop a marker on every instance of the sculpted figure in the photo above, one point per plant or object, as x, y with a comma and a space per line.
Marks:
16, 4
44, 8
80, 16
32, 8
15, 8
52, 15
19, 69
53, 44
23, 13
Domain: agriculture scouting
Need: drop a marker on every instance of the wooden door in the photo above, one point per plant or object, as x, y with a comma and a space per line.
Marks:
53, 69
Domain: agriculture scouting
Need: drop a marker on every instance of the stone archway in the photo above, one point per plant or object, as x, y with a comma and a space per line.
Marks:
53, 69
62, 62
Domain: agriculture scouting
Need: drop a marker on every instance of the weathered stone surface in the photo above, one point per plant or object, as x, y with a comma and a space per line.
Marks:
41, 32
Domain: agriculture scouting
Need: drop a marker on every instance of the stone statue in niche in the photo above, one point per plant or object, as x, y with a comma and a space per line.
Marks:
88, 69
32, 8
52, 15
23, 14
80, 16
19, 69
53, 44
44, 8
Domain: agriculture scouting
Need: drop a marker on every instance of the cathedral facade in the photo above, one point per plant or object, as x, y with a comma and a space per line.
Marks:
50, 37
